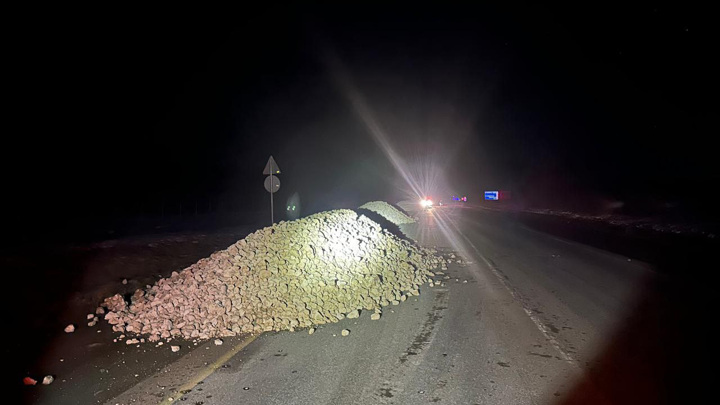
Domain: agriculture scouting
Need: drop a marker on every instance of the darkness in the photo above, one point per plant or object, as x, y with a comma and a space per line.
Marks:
119, 114
124, 121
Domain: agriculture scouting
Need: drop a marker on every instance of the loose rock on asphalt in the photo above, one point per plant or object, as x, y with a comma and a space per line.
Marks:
292, 275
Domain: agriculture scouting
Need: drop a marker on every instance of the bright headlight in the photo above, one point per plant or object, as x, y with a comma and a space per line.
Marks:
426, 203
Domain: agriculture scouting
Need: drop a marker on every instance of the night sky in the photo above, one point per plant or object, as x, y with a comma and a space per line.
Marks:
118, 112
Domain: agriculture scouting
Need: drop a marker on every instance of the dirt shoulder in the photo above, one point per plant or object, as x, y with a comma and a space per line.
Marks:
59, 285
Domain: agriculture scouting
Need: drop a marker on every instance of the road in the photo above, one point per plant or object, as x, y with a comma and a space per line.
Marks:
531, 319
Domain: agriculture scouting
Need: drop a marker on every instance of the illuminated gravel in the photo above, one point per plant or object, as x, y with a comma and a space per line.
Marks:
295, 274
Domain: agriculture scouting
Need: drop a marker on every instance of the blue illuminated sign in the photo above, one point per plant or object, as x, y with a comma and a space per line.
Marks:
492, 195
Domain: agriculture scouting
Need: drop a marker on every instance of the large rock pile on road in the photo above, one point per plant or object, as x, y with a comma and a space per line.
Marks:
388, 212
295, 274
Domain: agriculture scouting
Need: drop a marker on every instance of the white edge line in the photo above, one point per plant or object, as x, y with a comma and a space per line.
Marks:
529, 313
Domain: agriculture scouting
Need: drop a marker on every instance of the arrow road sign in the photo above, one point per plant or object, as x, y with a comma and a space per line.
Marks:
271, 167
272, 183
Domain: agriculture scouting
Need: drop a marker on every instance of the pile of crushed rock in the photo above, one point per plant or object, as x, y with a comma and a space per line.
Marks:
388, 212
295, 274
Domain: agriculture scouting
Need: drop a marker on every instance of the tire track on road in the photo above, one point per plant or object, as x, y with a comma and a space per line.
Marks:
413, 354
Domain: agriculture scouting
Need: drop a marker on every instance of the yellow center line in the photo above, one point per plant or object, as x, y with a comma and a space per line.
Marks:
206, 371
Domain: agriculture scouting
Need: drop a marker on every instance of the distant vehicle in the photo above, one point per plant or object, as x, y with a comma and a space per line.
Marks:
426, 203
459, 199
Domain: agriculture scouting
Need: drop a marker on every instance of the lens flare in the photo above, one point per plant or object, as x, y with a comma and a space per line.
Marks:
361, 108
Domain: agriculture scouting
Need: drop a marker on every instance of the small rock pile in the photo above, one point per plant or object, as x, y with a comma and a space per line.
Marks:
295, 274
388, 212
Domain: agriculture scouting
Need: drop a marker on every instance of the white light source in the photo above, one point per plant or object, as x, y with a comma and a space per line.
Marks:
426, 203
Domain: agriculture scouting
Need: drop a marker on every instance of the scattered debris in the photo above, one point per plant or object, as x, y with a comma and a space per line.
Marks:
218, 342
311, 331
29, 381
175, 348
70, 328
375, 316
345, 332
648, 223
282, 277
124, 281
48, 379
132, 342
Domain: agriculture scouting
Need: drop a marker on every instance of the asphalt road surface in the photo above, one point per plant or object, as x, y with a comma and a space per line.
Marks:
526, 318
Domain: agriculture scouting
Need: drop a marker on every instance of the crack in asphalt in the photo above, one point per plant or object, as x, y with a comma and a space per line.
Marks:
423, 338
417, 347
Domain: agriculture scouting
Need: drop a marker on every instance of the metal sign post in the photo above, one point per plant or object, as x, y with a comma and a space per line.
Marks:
272, 184
272, 208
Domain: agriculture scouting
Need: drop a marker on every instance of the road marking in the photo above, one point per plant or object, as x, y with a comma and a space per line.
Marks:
205, 372
538, 323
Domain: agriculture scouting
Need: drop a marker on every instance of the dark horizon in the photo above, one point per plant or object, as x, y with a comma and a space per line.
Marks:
127, 112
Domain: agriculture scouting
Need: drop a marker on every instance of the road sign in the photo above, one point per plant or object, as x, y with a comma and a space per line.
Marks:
271, 167
492, 195
272, 184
